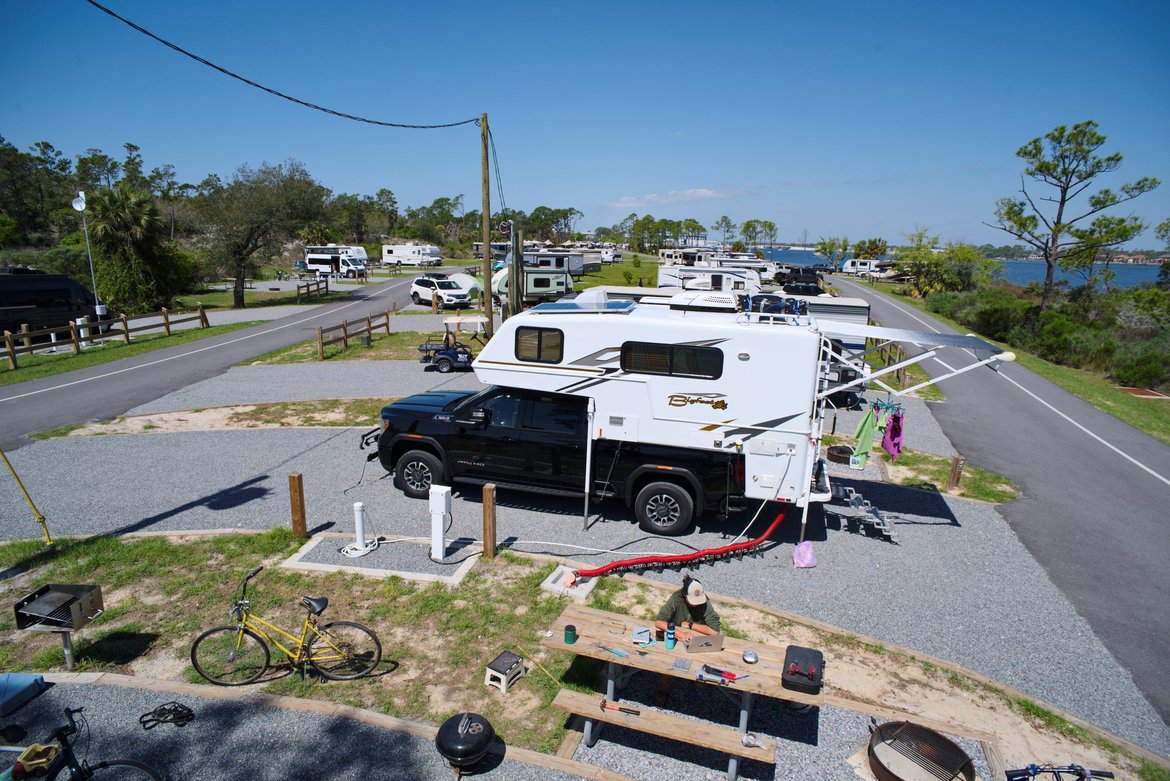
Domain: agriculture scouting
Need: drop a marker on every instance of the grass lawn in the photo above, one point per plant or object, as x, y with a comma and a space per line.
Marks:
1149, 415
32, 367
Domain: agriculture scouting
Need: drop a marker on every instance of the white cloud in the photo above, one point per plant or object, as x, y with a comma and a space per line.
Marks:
674, 196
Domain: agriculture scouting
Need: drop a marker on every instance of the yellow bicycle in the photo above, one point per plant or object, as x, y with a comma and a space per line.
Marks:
238, 655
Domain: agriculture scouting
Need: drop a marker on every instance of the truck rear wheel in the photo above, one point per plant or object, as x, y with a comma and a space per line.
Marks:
415, 473
664, 508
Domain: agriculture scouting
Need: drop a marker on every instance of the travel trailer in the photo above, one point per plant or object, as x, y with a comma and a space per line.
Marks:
765, 268
571, 262
411, 254
743, 281
540, 284
675, 410
336, 260
859, 266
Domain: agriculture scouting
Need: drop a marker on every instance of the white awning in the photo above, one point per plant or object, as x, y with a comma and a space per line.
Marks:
920, 338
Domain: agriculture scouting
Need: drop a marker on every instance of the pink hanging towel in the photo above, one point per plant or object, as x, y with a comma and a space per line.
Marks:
892, 441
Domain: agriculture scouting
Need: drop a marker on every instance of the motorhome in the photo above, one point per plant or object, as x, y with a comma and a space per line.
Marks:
500, 249
336, 260
39, 300
765, 268
740, 280
572, 263
540, 284
411, 254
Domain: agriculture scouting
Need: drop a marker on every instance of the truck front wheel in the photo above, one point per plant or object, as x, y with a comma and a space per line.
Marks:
415, 473
664, 508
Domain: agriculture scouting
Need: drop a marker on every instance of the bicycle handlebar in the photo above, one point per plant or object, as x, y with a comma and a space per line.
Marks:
1031, 771
65, 730
249, 576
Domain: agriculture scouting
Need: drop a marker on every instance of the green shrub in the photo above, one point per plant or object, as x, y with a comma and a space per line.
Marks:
944, 304
1144, 364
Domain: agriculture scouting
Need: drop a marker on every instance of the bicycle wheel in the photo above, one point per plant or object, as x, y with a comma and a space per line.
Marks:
229, 655
344, 650
122, 769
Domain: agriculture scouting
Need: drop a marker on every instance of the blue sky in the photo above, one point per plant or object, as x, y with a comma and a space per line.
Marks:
857, 118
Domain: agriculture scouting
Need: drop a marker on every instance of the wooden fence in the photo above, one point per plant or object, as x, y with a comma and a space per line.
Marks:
320, 287
341, 334
891, 354
78, 336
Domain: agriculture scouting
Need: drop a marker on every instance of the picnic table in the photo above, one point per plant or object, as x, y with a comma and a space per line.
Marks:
608, 637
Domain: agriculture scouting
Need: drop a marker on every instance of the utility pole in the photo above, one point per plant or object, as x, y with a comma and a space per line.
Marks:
487, 227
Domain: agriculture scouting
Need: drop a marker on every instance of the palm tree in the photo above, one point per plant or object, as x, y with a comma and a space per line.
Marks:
131, 239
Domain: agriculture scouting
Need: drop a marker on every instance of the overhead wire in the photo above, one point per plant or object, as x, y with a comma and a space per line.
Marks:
270, 90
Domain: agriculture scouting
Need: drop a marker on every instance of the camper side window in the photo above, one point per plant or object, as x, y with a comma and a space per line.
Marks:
541, 345
672, 359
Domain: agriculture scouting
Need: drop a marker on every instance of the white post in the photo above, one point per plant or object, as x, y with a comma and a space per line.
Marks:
440, 504
359, 525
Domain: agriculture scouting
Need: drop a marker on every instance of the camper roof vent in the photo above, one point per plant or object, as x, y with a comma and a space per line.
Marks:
705, 301
587, 302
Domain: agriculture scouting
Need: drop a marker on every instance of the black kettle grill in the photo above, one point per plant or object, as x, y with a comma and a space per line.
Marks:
464, 740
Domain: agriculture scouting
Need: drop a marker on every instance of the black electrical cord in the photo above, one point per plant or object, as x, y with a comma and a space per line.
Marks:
271, 91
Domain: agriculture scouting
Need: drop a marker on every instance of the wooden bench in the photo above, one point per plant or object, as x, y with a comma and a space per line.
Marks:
727, 740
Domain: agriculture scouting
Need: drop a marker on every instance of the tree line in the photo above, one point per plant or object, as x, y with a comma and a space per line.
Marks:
155, 237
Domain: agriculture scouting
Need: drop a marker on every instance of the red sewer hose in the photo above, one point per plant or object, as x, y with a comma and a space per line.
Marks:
682, 558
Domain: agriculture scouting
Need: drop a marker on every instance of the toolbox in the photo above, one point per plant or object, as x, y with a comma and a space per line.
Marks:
804, 669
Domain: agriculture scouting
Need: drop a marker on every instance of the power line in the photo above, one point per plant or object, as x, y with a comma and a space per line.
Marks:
496, 165
271, 91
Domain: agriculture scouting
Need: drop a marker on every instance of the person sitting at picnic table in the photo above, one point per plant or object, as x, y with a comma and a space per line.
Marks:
691, 613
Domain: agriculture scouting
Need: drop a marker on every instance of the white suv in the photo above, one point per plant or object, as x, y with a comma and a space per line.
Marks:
451, 295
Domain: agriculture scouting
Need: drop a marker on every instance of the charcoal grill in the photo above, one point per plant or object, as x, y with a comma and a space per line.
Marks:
60, 608
901, 751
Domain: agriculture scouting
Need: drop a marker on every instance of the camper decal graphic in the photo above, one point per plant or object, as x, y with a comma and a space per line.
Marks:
713, 400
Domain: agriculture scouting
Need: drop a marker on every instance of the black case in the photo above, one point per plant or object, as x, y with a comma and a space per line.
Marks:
804, 669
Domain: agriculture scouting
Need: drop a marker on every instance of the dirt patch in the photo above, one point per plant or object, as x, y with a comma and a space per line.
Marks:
213, 419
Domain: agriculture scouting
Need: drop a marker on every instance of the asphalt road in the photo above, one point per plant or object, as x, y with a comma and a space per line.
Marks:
1095, 492
106, 391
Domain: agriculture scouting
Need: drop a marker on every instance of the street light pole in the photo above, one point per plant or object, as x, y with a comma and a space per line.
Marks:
79, 204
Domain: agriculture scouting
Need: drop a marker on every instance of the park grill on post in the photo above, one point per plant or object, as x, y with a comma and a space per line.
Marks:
59, 608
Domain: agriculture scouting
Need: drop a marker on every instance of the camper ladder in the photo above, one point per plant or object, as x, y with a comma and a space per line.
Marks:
871, 515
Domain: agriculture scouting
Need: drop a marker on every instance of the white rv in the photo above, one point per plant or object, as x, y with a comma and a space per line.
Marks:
859, 266
411, 255
573, 263
765, 268
334, 260
540, 284
739, 280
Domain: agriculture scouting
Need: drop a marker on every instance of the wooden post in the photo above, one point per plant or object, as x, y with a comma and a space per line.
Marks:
25, 337
434, 301
956, 473
393, 309
125, 328
387, 322
299, 292
73, 337
489, 521
296, 498
344, 334
203, 323
320, 346
9, 348
369, 328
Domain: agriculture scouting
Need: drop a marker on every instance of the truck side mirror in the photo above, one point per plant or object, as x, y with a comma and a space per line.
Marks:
477, 418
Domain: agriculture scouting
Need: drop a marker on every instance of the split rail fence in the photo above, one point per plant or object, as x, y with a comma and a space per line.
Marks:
356, 329
75, 337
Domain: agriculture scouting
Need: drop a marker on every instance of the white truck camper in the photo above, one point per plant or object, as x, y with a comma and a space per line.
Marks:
687, 378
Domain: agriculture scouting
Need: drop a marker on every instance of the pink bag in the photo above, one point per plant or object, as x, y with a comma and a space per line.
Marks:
803, 556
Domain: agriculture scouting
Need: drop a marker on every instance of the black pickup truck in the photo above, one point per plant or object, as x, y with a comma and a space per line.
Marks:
535, 441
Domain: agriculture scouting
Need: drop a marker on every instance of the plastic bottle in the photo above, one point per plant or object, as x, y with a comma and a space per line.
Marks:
670, 636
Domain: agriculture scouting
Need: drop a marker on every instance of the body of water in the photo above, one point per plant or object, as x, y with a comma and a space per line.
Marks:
1017, 272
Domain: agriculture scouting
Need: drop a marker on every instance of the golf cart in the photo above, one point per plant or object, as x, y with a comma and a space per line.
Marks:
445, 351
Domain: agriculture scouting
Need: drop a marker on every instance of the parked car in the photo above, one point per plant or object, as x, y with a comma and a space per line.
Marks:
451, 295
804, 289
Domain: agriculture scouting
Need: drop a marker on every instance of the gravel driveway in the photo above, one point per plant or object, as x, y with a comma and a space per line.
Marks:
958, 585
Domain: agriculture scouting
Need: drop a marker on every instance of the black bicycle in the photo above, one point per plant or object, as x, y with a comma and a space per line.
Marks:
1072, 771
56, 757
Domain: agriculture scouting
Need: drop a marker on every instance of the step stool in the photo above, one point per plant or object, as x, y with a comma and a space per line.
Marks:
503, 671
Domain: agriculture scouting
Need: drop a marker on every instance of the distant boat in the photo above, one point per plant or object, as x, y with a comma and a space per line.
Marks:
800, 248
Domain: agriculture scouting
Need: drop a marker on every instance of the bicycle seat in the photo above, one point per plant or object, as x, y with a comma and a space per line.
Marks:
316, 605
